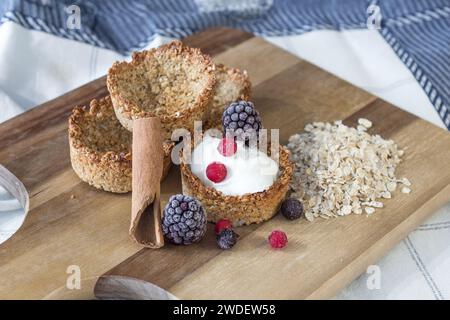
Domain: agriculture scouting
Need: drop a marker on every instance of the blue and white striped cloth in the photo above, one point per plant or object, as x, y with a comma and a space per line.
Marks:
418, 31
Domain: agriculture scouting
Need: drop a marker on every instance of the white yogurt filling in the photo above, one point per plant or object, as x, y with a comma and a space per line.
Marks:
248, 170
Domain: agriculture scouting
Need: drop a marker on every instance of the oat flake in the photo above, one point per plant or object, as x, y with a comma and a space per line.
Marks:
341, 170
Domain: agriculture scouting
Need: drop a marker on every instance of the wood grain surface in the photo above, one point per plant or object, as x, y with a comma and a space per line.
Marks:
70, 223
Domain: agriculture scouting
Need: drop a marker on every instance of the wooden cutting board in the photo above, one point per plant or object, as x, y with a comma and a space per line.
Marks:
71, 223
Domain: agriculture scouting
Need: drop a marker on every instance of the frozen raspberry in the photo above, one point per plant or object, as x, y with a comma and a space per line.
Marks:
226, 239
227, 147
278, 239
291, 209
222, 225
216, 172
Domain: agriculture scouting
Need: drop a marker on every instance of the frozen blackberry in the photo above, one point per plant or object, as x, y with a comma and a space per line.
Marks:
292, 209
227, 238
242, 119
184, 220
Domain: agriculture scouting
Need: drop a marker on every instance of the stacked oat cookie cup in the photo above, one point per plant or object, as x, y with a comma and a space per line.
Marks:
175, 83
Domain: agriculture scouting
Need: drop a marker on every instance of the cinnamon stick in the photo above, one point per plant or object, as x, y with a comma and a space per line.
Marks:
147, 170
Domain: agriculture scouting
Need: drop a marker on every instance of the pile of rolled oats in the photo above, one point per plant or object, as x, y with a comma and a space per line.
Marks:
341, 170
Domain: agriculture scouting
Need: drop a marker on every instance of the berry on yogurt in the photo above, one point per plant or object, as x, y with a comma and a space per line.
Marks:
227, 147
216, 172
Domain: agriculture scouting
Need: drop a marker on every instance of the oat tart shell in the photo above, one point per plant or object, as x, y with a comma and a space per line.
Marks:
173, 82
100, 148
232, 84
241, 210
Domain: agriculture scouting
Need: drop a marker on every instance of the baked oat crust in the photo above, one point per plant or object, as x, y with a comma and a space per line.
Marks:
173, 82
241, 210
100, 148
232, 84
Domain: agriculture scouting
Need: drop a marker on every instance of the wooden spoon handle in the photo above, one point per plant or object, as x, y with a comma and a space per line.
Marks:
127, 288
